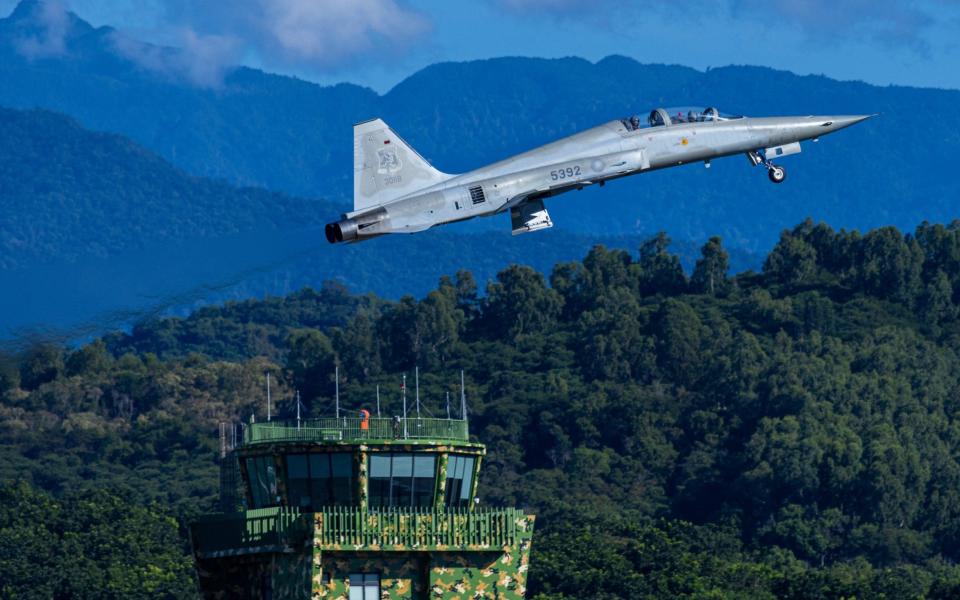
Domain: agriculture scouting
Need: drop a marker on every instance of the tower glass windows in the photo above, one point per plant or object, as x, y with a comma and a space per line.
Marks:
320, 479
401, 479
263, 481
459, 479
364, 586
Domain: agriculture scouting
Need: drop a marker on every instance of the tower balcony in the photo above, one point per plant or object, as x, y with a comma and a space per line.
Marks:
342, 528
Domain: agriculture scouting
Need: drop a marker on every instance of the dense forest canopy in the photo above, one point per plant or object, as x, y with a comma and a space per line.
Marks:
790, 433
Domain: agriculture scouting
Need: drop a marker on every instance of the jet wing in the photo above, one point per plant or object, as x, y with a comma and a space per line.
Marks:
547, 192
529, 216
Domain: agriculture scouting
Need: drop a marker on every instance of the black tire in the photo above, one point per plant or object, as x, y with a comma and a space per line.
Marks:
777, 174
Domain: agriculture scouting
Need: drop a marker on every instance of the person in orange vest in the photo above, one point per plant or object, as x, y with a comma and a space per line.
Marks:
364, 419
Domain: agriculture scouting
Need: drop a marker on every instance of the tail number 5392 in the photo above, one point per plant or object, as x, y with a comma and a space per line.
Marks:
565, 173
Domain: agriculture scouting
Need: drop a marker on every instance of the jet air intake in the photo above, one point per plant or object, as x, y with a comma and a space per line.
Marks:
356, 228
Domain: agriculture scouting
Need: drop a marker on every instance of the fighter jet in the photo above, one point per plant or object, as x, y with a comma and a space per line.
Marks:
396, 191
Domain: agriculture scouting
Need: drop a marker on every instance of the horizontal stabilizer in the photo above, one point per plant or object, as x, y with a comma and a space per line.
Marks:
529, 216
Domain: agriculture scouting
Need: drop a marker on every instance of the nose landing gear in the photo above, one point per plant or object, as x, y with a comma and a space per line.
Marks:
776, 173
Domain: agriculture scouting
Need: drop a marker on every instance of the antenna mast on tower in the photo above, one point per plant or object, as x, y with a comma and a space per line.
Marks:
403, 388
417, 385
463, 398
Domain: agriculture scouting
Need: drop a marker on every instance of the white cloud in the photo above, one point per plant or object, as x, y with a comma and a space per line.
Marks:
50, 24
202, 60
208, 38
316, 34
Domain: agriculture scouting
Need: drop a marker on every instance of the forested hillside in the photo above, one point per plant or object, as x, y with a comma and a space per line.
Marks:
285, 134
793, 433
67, 193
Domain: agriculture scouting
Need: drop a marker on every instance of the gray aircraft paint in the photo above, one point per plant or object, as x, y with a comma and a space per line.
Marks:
397, 191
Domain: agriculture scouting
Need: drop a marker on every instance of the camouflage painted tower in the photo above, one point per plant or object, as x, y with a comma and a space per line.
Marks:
362, 508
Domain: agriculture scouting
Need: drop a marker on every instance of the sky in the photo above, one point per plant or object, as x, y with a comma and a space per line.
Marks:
380, 42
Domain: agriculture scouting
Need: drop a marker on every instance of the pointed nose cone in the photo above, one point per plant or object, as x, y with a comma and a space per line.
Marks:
839, 122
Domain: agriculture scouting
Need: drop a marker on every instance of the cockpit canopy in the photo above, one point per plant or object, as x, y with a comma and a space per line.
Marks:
663, 117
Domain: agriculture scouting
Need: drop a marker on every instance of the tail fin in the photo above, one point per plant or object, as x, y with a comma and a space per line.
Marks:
385, 167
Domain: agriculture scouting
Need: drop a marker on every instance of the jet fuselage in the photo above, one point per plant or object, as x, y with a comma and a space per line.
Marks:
612, 150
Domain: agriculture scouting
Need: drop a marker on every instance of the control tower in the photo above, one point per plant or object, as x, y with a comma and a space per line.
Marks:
361, 508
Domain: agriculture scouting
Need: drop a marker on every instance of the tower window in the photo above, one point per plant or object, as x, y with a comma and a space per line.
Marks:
459, 479
315, 480
402, 479
364, 586
263, 481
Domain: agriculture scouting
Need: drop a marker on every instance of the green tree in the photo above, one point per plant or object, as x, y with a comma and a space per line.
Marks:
890, 266
312, 363
936, 303
9, 372
358, 346
678, 330
792, 260
710, 273
41, 364
519, 303
659, 271
438, 326
92, 359
466, 294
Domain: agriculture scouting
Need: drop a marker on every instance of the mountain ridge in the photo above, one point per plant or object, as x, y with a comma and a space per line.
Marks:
100, 194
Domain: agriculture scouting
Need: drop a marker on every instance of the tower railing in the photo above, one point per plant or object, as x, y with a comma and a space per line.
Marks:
416, 528
284, 529
352, 429
274, 529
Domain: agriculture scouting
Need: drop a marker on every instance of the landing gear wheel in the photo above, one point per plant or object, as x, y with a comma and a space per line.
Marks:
776, 174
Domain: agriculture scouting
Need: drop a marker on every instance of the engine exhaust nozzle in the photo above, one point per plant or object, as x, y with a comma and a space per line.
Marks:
341, 231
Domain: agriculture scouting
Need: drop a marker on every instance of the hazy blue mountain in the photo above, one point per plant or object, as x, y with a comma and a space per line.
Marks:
294, 136
255, 129
69, 194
